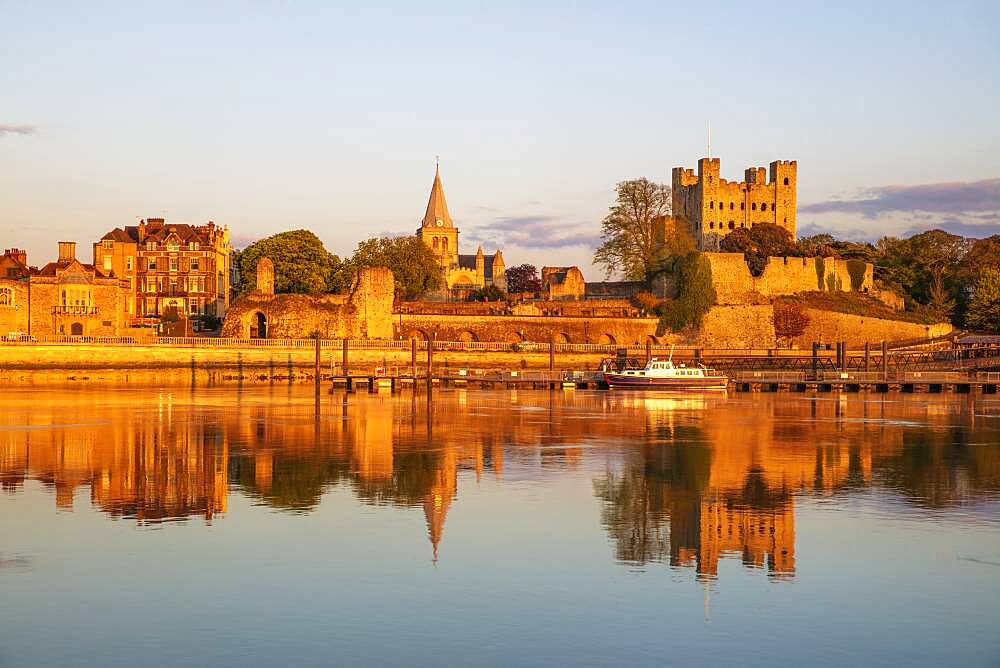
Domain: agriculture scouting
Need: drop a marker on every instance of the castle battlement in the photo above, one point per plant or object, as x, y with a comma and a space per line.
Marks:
714, 206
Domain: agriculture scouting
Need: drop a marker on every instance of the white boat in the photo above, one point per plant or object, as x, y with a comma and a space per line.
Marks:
664, 374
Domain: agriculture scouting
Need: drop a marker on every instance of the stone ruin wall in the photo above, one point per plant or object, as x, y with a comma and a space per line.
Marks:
734, 284
365, 312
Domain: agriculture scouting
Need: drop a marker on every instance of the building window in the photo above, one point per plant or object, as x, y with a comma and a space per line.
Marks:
173, 246
711, 205
732, 225
193, 245
173, 264
152, 264
711, 226
753, 206
786, 180
195, 264
732, 205
6, 297
436, 243
194, 307
722, 205
107, 263
128, 263
763, 207
444, 244
151, 245
108, 245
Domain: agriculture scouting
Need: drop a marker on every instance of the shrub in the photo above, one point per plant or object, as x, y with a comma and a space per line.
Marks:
696, 294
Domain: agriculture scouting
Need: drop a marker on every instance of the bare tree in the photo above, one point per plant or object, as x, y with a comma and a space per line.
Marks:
631, 242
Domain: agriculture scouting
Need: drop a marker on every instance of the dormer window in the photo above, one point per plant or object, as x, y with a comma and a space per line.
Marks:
173, 246
109, 245
193, 246
151, 245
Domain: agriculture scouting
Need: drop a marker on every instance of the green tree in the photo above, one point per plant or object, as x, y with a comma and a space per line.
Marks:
523, 278
301, 263
413, 264
632, 232
695, 296
925, 268
490, 293
984, 306
757, 243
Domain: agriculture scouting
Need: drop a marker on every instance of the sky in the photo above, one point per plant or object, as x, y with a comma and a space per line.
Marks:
272, 116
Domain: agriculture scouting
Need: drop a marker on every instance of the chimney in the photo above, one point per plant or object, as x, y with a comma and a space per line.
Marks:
142, 230
67, 251
18, 255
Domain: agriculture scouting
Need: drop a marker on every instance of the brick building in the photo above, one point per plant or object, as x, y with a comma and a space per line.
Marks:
169, 266
714, 207
63, 297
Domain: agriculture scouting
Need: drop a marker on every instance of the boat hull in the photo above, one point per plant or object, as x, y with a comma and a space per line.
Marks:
619, 381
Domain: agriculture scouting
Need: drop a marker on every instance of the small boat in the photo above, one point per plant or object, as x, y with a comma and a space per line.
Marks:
664, 374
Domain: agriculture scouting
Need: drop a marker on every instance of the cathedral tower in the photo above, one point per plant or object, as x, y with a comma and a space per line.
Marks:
437, 228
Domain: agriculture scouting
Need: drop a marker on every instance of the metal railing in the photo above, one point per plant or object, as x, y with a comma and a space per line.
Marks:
76, 310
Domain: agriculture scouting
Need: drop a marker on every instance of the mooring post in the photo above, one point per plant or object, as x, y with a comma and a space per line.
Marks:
552, 355
649, 350
867, 356
413, 359
815, 359
346, 373
430, 363
316, 370
885, 361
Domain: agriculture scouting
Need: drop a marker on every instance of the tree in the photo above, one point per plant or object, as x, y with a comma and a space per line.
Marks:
490, 293
413, 264
790, 321
925, 267
757, 243
301, 263
523, 278
630, 242
696, 293
984, 306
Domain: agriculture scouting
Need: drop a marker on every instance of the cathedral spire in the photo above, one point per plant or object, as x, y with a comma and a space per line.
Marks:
437, 209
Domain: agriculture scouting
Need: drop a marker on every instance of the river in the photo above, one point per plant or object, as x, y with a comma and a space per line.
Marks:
267, 525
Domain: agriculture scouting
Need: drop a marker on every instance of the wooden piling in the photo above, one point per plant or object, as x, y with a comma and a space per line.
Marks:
413, 358
346, 372
316, 370
430, 364
885, 361
552, 356
867, 356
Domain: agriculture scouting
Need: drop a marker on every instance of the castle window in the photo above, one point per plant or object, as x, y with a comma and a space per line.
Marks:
743, 206
732, 224
786, 180
754, 206
763, 207
711, 226
722, 205
743, 224
731, 205
711, 205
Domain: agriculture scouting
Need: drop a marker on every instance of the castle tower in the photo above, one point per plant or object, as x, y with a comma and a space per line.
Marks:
714, 207
481, 264
437, 228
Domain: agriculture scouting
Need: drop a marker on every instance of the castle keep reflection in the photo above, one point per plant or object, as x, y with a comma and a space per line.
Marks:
686, 481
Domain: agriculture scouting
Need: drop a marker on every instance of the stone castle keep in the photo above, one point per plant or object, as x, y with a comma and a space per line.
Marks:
714, 207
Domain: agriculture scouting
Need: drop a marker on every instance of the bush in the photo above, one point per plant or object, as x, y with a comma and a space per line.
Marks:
695, 297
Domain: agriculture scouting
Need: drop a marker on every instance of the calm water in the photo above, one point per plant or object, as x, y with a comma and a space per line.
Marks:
259, 527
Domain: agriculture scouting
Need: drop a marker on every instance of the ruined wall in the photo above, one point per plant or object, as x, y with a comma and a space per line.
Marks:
563, 282
785, 276
364, 313
829, 327
513, 328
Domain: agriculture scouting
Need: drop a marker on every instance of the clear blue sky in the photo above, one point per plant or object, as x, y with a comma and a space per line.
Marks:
274, 116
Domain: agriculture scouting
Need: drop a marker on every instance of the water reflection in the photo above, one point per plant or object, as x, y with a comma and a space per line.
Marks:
685, 480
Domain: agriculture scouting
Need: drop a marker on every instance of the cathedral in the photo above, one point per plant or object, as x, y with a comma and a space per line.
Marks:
462, 273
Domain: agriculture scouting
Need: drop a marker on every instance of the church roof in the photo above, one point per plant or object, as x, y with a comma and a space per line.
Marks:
437, 207
469, 262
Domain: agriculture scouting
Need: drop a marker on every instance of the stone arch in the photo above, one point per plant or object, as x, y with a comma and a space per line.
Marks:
607, 340
561, 337
417, 334
515, 337
76, 329
467, 337
258, 325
